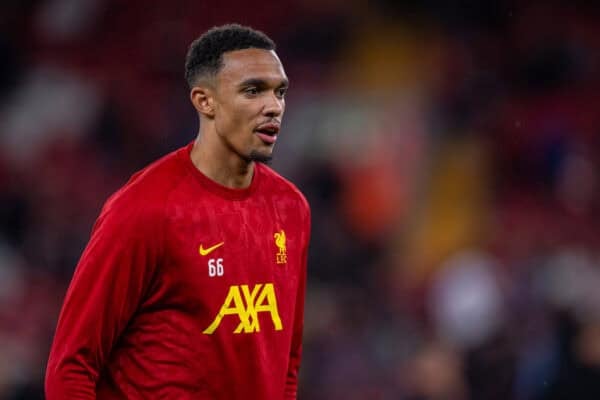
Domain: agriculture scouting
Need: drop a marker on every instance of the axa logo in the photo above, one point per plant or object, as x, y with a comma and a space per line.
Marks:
246, 304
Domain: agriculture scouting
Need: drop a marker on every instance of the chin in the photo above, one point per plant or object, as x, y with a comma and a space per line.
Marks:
260, 157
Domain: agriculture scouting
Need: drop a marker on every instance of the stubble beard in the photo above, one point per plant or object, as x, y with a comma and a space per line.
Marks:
260, 157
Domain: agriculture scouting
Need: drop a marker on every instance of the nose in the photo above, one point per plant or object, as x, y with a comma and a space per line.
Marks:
274, 106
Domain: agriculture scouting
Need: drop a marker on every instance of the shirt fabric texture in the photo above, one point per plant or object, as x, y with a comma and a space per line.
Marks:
187, 290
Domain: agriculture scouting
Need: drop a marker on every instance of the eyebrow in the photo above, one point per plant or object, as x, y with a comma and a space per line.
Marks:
261, 82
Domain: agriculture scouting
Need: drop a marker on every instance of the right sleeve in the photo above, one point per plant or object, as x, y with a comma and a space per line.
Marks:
111, 279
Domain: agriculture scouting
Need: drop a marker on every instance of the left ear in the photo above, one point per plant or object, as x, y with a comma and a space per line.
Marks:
202, 98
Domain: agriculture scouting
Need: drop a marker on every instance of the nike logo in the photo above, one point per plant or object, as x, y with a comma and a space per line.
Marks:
204, 252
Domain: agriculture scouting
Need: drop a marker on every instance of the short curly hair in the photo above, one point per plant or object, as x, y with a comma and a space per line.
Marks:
205, 55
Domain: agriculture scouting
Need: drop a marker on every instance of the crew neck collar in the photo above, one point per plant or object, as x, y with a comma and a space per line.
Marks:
215, 187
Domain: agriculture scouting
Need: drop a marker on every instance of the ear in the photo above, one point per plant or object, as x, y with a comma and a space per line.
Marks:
202, 98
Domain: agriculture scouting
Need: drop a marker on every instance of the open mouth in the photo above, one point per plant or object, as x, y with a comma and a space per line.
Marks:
267, 133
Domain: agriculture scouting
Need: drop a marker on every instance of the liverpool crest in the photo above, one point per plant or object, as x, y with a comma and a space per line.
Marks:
281, 255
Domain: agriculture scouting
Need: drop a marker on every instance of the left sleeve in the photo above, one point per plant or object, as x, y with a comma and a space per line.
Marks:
291, 384
111, 278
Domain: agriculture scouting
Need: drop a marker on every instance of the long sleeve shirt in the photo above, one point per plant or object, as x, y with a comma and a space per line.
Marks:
187, 290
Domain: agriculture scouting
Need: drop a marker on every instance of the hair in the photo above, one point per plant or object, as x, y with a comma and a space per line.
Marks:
205, 55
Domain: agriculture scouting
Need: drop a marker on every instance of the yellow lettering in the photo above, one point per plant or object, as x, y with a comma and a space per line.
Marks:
249, 321
260, 299
232, 296
268, 293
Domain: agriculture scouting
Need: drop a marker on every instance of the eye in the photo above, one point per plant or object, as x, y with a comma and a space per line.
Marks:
251, 91
280, 92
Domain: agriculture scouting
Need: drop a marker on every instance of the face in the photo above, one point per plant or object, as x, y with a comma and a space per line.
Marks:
249, 102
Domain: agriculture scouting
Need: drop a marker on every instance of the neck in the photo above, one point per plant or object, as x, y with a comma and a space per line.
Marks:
221, 165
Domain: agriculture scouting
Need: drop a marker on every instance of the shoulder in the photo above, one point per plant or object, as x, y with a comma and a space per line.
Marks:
145, 194
279, 185
289, 198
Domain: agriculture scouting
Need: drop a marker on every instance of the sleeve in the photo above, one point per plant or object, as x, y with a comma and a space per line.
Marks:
291, 385
110, 280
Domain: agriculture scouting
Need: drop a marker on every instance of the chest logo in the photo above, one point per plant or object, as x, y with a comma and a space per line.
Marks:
207, 251
281, 255
246, 303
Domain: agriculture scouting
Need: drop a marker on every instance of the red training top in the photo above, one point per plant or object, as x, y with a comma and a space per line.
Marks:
187, 290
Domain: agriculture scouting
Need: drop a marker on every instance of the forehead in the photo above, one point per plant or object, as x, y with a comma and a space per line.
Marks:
240, 65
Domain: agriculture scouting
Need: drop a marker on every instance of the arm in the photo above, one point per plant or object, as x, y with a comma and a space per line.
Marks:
291, 385
109, 282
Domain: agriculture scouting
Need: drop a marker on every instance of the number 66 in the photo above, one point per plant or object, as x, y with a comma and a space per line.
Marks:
215, 267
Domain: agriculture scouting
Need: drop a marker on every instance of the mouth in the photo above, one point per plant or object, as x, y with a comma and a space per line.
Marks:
267, 132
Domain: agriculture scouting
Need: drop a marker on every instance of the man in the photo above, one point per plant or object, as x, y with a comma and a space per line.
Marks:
192, 284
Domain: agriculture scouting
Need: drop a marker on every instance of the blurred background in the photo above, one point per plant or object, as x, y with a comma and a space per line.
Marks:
449, 150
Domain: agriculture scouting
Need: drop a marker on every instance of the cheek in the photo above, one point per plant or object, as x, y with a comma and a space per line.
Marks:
236, 119
245, 118
228, 118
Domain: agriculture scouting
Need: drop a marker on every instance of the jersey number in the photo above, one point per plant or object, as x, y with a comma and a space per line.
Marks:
215, 267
